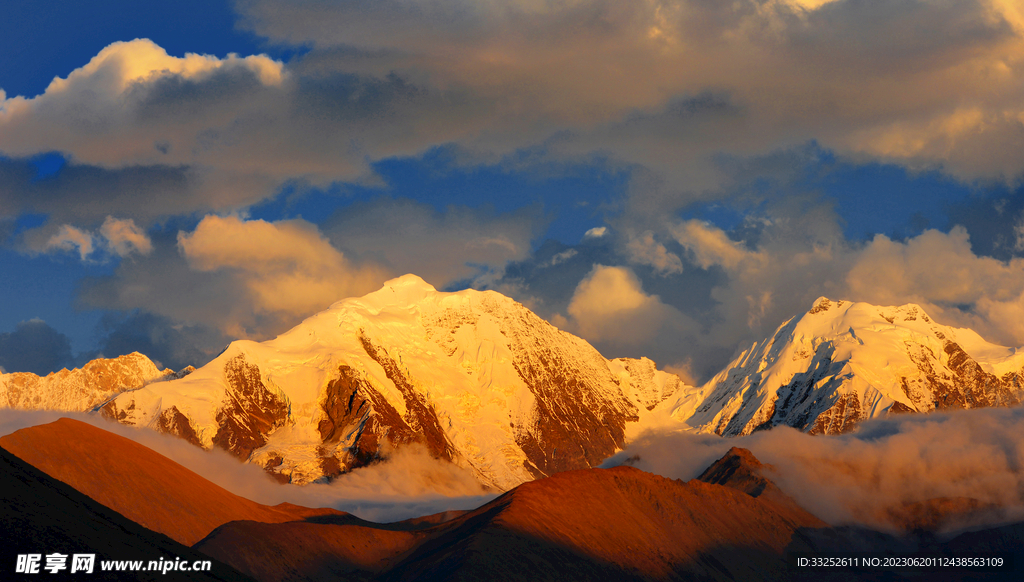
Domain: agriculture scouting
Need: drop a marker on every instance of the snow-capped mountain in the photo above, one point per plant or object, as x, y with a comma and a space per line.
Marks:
83, 388
844, 362
474, 377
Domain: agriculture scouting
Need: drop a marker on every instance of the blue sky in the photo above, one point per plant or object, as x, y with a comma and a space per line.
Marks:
669, 178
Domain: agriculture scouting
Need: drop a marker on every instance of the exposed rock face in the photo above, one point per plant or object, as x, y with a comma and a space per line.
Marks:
421, 422
80, 389
473, 376
251, 411
738, 469
842, 363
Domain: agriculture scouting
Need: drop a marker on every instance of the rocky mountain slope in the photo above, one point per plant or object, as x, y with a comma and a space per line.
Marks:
843, 362
138, 483
594, 524
475, 377
40, 515
83, 388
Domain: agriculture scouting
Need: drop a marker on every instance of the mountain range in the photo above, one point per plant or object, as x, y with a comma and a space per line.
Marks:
82, 388
731, 523
480, 381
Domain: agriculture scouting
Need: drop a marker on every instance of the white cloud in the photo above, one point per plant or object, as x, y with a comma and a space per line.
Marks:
69, 238
119, 237
856, 478
610, 308
123, 237
284, 267
562, 257
411, 484
97, 113
644, 250
711, 246
1018, 231
921, 83
405, 236
942, 273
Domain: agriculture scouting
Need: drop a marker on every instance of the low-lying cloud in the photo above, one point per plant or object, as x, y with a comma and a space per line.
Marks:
846, 479
409, 484
854, 478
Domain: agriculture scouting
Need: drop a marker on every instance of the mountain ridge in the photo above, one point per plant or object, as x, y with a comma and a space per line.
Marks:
480, 381
137, 482
84, 388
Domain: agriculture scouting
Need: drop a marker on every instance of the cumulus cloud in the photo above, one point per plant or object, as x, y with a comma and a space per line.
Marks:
941, 272
610, 309
200, 133
856, 477
123, 237
921, 83
85, 114
34, 347
406, 236
120, 237
286, 267
737, 286
69, 238
240, 278
644, 250
711, 246
235, 278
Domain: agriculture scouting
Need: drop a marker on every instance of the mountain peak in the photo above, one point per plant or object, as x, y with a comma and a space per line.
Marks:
475, 377
408, 280
823, 304
739, 469
844, 362
399, 292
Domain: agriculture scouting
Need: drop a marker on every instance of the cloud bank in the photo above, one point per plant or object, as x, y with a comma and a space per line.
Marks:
854, 478
922, 83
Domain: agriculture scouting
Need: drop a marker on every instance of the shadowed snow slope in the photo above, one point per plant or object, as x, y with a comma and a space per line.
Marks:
138, 483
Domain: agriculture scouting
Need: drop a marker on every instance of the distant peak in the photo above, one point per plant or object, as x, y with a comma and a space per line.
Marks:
739, 469
410, 281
